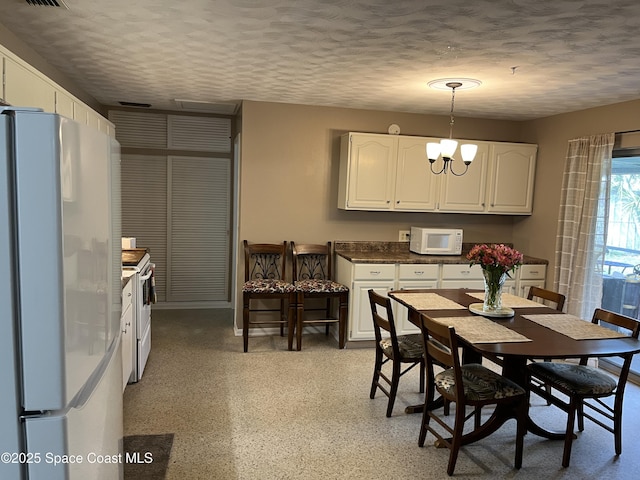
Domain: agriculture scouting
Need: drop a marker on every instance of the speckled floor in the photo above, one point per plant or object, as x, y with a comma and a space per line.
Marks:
274, 414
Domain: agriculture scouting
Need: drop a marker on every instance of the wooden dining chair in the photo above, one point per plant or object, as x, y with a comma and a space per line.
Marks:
264, 274
547, 297
465, 385
544, 295
312, 278
586, 386
398, 349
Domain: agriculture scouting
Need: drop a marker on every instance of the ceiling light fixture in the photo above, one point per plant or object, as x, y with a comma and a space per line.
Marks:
447, 146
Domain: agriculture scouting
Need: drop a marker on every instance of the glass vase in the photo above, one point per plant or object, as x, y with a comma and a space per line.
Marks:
493, 282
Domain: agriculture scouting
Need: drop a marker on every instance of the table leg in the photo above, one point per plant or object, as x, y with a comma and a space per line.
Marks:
515, 369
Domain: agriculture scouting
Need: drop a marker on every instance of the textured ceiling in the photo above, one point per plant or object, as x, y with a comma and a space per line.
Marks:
369, 54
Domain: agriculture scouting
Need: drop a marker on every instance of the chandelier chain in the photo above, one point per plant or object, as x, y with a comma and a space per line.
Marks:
452, 86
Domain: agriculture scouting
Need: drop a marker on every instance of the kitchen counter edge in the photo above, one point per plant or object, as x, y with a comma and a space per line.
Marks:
393, 252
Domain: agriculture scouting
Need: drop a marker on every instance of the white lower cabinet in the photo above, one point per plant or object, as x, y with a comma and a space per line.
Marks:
361, 325
530, 276
461, 275
382, 278
365, 276
411, 276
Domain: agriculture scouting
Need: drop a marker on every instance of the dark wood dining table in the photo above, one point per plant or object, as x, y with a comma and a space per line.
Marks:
543, 343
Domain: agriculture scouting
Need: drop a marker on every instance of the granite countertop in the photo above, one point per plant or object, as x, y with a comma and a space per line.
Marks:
398, 252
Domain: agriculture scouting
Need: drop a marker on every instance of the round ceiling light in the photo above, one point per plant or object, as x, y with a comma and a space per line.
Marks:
464, 83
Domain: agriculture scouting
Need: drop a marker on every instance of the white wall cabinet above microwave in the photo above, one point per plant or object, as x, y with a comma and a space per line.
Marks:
391, 173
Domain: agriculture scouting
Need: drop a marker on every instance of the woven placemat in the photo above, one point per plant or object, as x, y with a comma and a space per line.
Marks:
511, 301
574, 327
476, 329
428, 301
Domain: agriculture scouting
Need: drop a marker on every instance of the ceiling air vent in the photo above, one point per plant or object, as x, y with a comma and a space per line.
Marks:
135, 104
208, 107
47, 3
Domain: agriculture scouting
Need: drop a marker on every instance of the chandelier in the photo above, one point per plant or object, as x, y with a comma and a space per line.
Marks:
447, 146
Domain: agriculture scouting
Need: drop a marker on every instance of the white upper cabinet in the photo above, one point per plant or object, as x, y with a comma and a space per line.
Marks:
416, 187
64, 104
385, 172
25, 87
511, 179
465, 193
367, 177
392, 173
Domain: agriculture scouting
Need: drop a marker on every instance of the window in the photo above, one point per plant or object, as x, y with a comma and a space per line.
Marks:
621, 279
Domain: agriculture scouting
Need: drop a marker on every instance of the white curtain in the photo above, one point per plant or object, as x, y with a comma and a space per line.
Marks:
582, 223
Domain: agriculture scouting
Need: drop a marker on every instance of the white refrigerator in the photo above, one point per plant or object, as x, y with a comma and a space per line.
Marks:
60, 299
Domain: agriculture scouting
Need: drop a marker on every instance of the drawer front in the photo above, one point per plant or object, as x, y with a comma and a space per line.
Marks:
533, 272
461, 271
418, 272
374, 271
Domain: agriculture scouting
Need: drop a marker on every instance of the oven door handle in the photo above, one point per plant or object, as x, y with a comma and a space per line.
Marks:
146, 277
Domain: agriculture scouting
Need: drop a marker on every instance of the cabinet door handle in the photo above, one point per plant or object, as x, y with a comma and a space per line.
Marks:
419, 272
374, 272
465, 272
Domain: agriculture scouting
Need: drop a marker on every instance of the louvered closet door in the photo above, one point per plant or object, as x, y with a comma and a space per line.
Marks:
198, 242
144, 209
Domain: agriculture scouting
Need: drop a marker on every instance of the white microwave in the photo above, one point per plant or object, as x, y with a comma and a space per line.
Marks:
436, 241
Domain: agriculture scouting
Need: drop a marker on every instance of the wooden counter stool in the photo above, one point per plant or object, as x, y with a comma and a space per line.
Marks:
264, 274
313, 279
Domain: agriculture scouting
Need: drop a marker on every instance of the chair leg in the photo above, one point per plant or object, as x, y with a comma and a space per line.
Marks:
245, 323
395, 381
428, 400
568, 438
617, 421
291, 323
376, 373
327, 314
282, 318
580, 414
299, 320
422, 379
342, 320
456, 440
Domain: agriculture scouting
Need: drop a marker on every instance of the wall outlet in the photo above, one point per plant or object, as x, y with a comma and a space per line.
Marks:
404, 235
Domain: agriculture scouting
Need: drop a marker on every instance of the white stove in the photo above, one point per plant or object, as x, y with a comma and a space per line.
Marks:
137, 264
